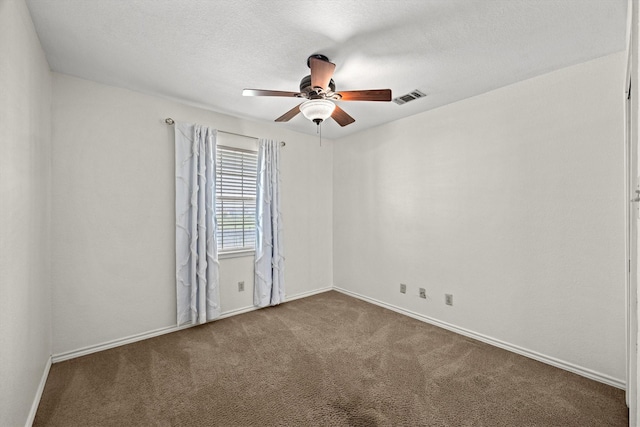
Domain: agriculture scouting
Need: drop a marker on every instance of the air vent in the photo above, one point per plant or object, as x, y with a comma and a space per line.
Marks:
409, 97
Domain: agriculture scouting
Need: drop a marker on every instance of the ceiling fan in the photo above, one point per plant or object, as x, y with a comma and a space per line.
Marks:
319, 90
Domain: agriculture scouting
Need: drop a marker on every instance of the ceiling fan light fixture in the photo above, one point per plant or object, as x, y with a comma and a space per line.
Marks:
317, 110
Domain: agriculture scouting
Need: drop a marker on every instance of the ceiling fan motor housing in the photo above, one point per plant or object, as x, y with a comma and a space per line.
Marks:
305, 86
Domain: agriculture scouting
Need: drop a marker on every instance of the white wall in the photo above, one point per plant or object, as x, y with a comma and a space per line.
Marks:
25, 305
113, 213
512, 201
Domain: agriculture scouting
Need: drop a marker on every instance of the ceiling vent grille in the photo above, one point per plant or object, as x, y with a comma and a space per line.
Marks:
409, 97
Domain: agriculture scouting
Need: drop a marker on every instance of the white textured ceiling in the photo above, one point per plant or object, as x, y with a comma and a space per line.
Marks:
205, 52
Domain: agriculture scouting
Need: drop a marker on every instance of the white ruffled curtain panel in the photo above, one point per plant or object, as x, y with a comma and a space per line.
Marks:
197, 267
269, 267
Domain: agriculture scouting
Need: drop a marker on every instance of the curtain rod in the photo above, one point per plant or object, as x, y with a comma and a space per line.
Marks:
170, 121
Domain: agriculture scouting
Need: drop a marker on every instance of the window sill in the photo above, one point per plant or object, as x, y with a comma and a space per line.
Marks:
236, 254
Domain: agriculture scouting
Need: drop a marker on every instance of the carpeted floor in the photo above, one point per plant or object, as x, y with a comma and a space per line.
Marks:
325, 360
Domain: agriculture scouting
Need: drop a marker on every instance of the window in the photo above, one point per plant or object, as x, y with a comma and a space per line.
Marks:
236, 174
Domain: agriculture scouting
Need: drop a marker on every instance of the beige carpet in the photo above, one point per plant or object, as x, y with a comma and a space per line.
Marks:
326, 360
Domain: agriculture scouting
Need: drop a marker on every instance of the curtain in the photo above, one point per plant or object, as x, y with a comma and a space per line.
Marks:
197, 268
269, 267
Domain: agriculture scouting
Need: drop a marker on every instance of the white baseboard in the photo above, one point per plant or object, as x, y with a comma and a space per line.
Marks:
36, 400
115, 343
588, 373
308, 293
166, 330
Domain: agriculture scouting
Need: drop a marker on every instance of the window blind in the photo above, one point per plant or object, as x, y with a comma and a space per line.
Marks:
236, 173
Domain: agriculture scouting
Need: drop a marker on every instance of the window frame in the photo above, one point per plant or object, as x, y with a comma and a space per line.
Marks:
234, 251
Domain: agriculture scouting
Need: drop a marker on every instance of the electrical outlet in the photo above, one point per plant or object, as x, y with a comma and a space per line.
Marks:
240, 286
403, 288
448, 299
423, 293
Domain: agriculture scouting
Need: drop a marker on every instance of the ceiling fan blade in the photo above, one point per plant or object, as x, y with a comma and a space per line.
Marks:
260, 92
366, 95
321, 72
340, 116
289, 114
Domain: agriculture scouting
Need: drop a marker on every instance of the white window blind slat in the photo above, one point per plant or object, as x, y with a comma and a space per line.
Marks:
236, 174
